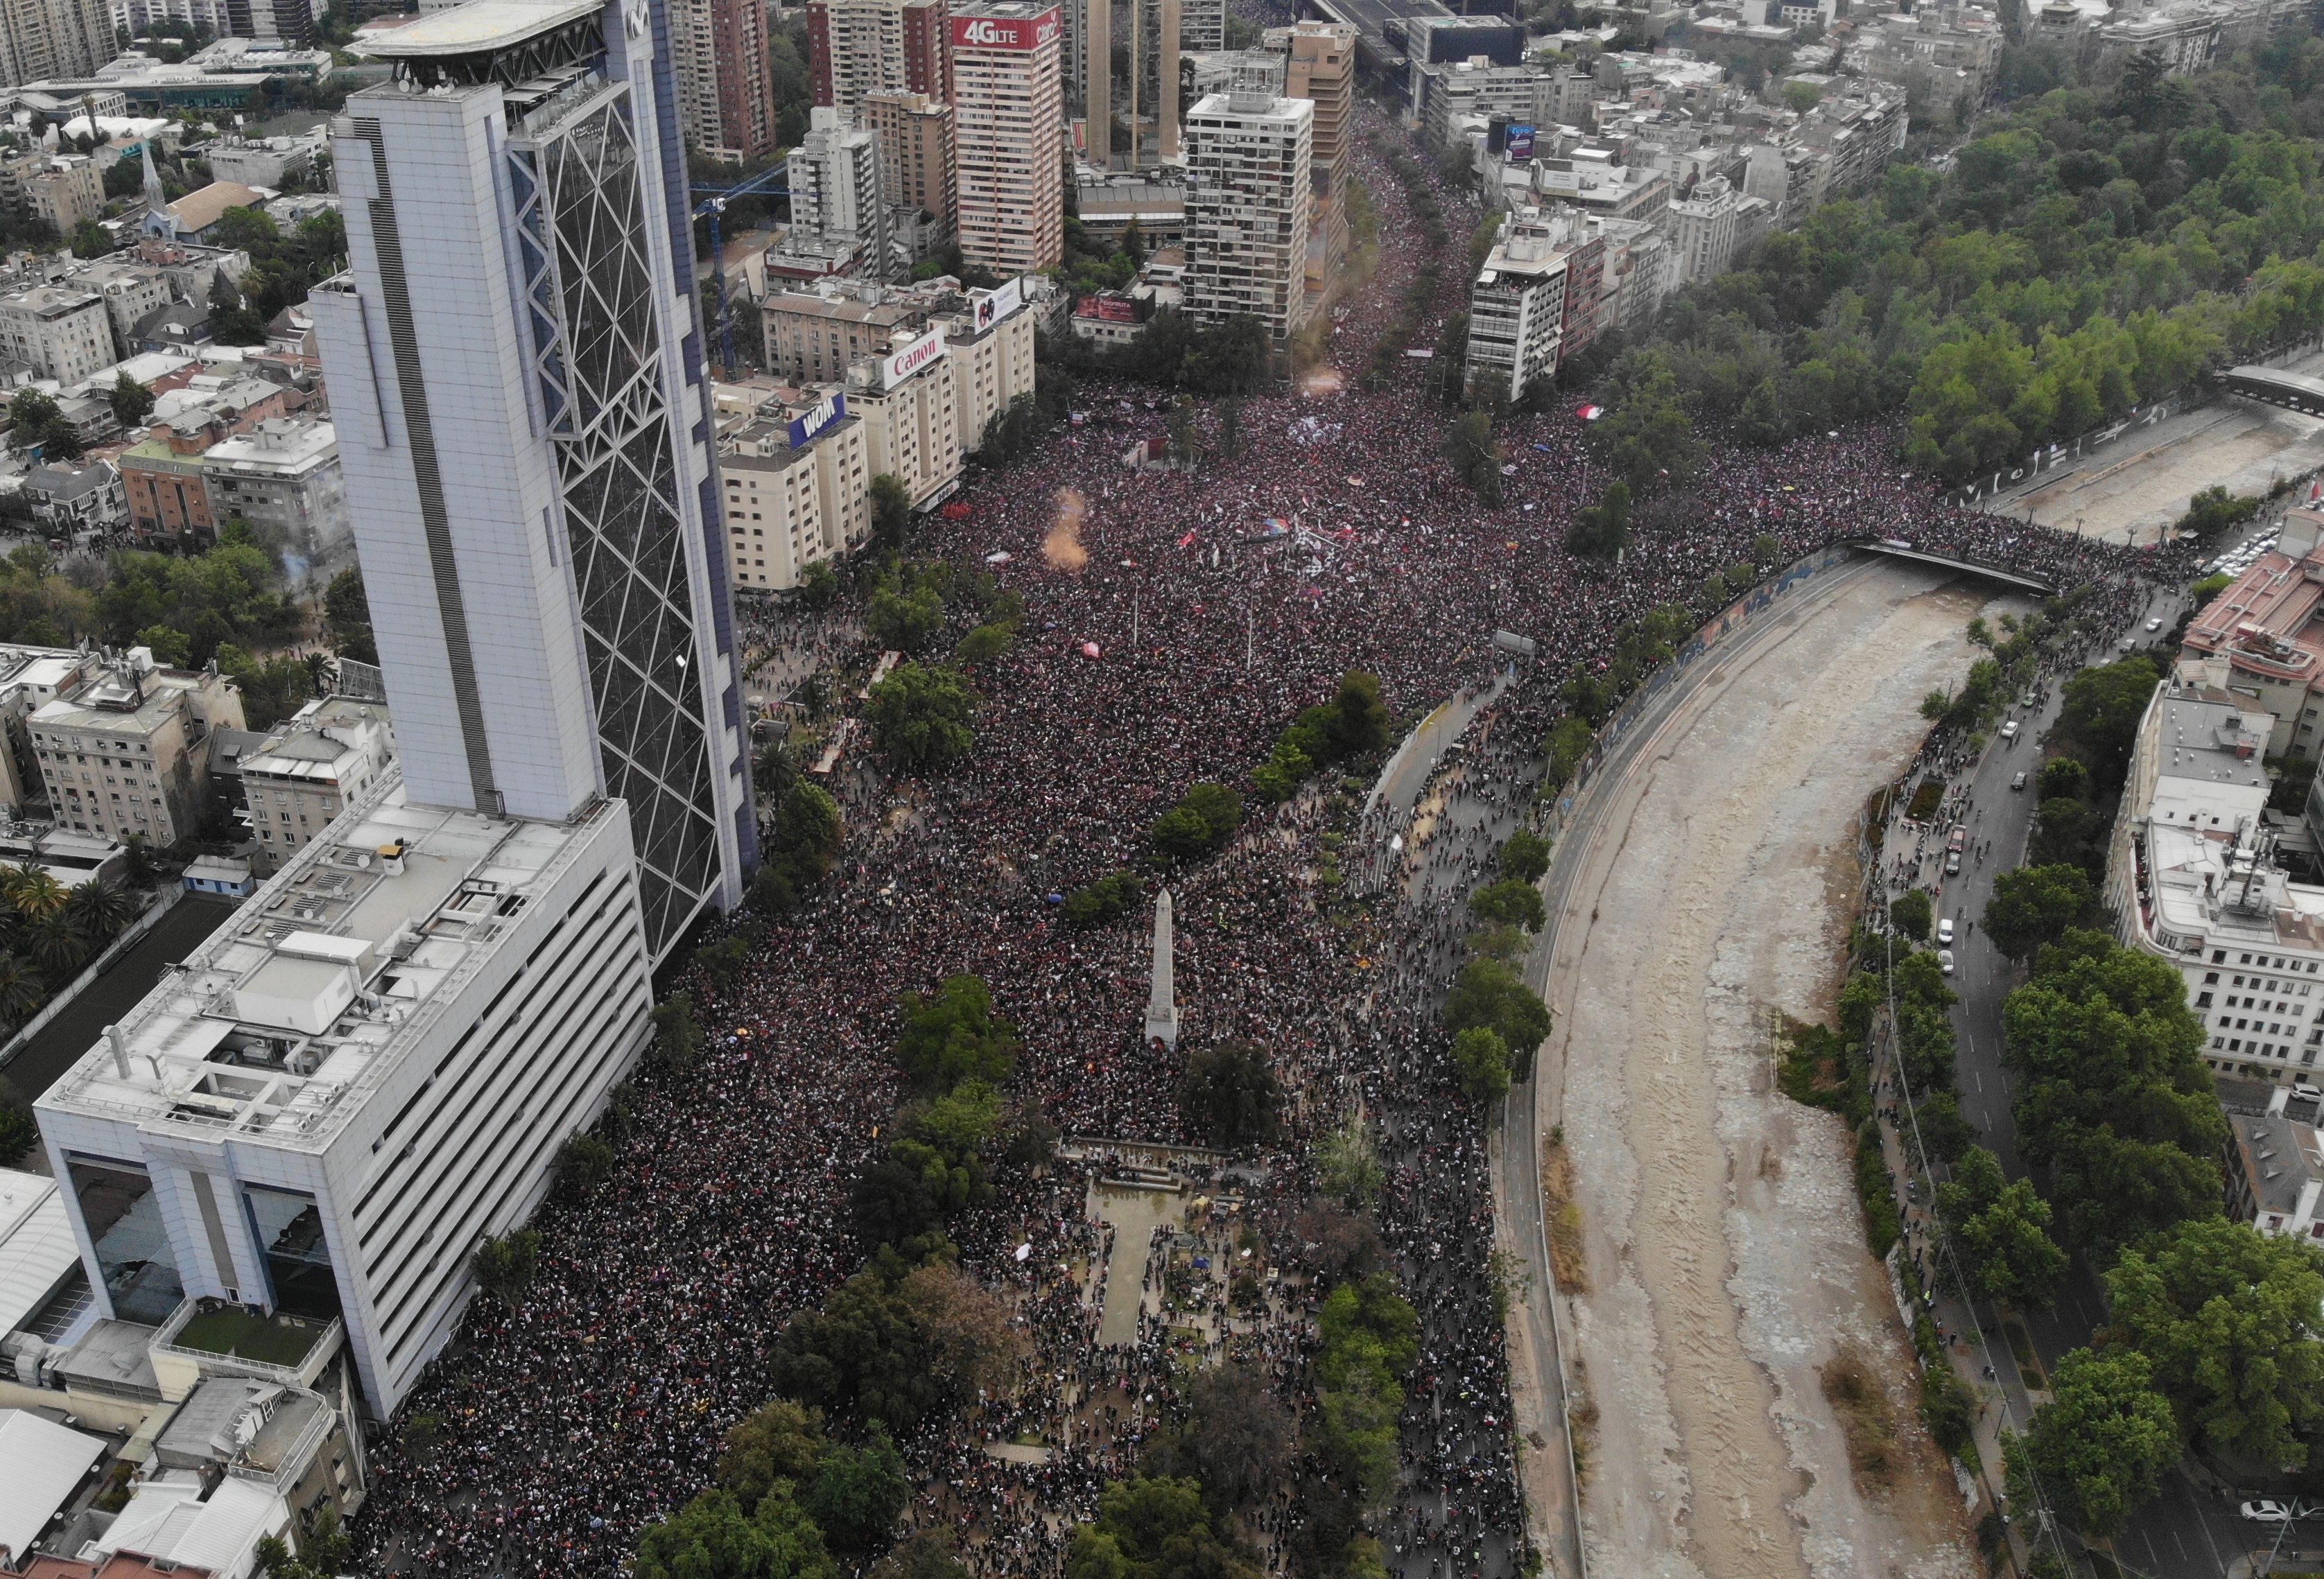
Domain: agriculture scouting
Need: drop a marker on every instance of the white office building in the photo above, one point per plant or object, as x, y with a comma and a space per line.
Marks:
521, 417
361, 1076
1516, 308
837, 201
1250, 198
2192, 876
1703, 229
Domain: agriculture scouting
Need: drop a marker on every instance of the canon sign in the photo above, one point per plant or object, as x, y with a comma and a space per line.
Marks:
902, 365
1004, 32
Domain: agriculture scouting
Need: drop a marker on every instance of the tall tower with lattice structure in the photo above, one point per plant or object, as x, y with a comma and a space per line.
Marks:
516, 366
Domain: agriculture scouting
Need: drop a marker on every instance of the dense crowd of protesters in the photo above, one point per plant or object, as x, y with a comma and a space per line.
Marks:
549, 1435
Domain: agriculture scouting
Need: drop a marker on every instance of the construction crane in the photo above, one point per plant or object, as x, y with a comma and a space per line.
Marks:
713, 209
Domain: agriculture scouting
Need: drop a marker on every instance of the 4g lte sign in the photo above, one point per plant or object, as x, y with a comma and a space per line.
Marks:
1005, 32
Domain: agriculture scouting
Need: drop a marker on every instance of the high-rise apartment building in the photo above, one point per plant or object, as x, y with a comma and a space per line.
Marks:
726, 97
1203, 26
1320, 67
42, 39
287, 25
1008, 130
1517, 310
856, 46
1703, 226
915, 153
519, 418
835, 189
1248, 200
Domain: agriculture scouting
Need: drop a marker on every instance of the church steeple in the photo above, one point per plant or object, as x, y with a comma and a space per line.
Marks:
155, 201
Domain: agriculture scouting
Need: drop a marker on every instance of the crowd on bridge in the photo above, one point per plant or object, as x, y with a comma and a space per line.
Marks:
549, 1435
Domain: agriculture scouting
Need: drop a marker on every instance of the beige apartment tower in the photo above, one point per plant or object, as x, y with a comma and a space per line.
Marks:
916, 152
1320, 67
1009, 131
1249, 205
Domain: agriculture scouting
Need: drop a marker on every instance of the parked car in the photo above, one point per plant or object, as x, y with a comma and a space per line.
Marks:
2017, 783
1952, 864
2265, 1512
1945, 961
1945, 929
2009, 730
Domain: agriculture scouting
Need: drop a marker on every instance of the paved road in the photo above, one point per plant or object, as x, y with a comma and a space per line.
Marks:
2187, 1532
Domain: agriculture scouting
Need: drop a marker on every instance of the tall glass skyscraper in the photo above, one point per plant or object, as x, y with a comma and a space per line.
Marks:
516, 366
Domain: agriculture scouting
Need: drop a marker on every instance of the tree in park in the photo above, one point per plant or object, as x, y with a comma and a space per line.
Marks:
1230, 1096
1152, 1527
952, 1035
925, 1554
1475, 454
808, 838
906, 619
1912, 915
782, 1441
1563, 750
712, 1538
1199, 824
1484, 1061
922, 716
1489, 993
1238, 1440
2001, 1230
973, 1348
891, 513
1602, 530
1110, 896
1645, 435
858, 1493
1358, 721
2033, 905
2232, 1319
2100, 1447
506, 1265
1525, 856
864, 1355
1512, 903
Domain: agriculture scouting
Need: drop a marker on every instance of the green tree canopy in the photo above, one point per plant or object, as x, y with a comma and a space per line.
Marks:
2033, 905
859, 1494
2001, 1230
922, 717
712, 1538
952, 1035
2100, 1447
1525, 856
782, 1441
2230, 1318
1489, 993
1484, 1059
1230, 1095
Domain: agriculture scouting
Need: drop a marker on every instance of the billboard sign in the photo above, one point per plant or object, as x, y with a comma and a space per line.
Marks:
900, 365
805, 430
1025, 33
1520, 145
1001, 305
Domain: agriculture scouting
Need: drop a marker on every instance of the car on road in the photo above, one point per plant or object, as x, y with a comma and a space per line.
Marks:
1952, 864
1945, 931
2009, 730
1945, 961
2265, 1512
2017, 783
2027, 699
2127, 644
2154, 624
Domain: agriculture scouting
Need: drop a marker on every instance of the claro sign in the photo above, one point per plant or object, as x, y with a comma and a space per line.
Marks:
1005, 32
902, 365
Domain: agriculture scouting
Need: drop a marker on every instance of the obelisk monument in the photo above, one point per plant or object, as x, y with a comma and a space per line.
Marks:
1162, 1006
